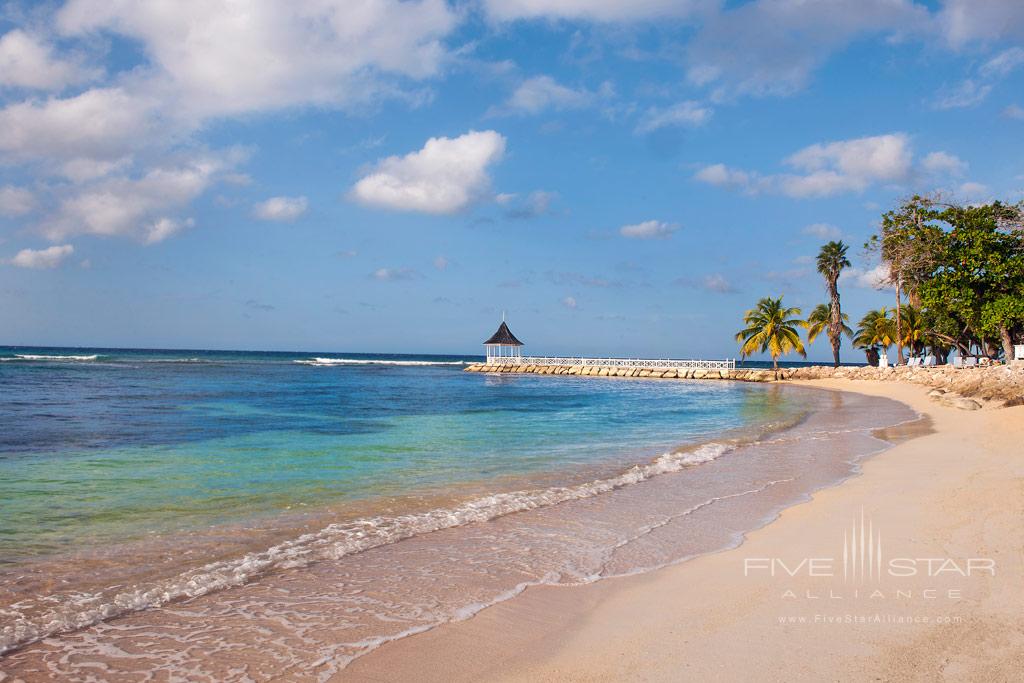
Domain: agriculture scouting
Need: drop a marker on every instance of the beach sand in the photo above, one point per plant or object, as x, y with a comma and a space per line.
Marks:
954, 494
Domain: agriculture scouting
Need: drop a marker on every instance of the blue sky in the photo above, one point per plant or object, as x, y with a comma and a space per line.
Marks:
376, 175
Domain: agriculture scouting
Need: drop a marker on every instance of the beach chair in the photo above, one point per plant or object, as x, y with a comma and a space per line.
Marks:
883, 360
929, 361
970, 362
958, 362
913, 362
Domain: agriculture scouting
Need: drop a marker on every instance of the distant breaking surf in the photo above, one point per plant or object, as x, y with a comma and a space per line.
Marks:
365, 361
32, 357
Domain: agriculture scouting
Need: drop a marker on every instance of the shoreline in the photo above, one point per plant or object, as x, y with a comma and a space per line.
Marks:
315, 579
289, 532
685, 619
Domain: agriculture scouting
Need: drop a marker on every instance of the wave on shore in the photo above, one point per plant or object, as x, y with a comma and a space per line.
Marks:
330, 543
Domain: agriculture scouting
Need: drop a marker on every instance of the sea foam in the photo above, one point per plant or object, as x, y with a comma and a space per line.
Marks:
330, 543
34, 357
364, 361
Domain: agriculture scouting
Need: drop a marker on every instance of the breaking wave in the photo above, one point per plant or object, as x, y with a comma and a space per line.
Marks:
365, 361
34, 357
330, 543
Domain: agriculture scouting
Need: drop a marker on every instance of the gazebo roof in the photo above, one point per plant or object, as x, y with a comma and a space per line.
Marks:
504, 337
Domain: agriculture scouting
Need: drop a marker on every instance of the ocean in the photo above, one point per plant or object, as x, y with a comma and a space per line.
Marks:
194, 511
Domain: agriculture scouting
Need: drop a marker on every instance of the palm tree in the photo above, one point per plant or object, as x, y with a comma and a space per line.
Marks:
831, 261
912, 331
819, 320
875, 333
771, 327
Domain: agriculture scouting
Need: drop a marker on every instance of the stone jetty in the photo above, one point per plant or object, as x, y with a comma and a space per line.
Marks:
741, 375
964, 388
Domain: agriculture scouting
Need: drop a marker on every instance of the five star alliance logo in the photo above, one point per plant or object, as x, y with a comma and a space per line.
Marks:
862, 552
862, 562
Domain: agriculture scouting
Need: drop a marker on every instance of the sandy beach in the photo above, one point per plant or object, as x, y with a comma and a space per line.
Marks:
939, 599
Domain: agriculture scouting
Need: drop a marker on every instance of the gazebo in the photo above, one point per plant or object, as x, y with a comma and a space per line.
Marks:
503, 344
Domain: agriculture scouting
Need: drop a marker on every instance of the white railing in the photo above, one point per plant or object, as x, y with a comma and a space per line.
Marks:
615, 362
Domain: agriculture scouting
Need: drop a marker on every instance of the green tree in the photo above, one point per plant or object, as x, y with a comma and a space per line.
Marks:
831, 261
875, 333
914, 334
974, 292
771, 327
907, 243
819, 320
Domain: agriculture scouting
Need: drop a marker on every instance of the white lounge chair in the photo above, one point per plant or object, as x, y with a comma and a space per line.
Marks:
913, 361
970, 362
883, 360
958, 361
929, 361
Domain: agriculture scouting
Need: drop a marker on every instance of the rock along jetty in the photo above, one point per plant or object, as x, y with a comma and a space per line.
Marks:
654, 372
964, 388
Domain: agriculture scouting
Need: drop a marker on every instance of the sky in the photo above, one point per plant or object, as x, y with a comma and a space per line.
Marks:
619, 178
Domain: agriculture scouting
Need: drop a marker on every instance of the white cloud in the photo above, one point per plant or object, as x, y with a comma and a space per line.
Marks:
595, 10
826, 169
724, 176
971, 191
102, 123
281, 208
163, 228
772, 47
689, 114
15, 201
881, 157
1014, 111
967, 94
535, 204
872, 278
444, 177
50, 257
965, 21
441, 263
943, 163
199, 61
394, 274
569, 302
81, 170
537, 94
972, 91
212, 58
649, 230
1003, 64
136, 207
825, 231
717, 283
27, 62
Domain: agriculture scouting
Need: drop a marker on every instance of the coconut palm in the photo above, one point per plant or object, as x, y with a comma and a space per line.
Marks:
831, 261
913, 332
875, 333
819, 320
773, 328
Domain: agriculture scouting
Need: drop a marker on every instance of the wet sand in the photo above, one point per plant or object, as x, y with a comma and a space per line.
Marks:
322, 603
947, 504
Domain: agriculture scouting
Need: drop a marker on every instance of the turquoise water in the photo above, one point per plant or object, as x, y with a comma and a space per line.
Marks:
303, 508
107, 445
